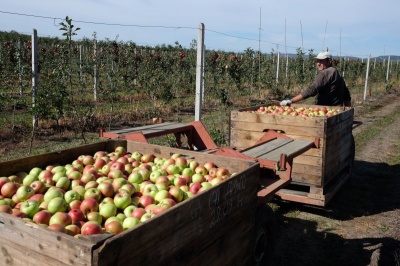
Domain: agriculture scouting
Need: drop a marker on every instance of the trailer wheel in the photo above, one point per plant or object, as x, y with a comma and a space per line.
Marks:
264, 235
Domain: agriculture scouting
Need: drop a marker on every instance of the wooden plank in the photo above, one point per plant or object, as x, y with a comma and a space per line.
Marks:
287, 129
245, 139
264, 148
313, 122
153, 127
289, 149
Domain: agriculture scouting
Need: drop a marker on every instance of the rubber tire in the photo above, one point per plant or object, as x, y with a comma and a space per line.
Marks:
264, 235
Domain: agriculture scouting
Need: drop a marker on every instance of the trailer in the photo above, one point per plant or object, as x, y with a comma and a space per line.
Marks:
229, 224
204, 229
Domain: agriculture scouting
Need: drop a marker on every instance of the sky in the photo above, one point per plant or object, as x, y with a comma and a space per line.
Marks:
346, 28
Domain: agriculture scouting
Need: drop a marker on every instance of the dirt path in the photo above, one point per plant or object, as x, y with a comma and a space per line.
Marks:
361, 224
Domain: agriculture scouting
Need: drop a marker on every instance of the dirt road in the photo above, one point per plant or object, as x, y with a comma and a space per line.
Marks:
361, 224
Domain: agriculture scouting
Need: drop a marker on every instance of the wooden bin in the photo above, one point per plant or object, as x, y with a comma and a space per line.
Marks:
211, 228
318, 173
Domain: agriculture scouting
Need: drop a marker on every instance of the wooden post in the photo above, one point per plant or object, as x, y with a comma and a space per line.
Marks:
277, 70
388, 69
19, 69
199, 72
34, 74
366, 80
95, 74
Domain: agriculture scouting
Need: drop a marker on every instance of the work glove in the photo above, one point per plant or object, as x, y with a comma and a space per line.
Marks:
286, 102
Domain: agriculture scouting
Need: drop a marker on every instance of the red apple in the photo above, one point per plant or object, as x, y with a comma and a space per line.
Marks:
91, 228
42, 217
76, 215
89, 205
9, 189
58, 227
114, 227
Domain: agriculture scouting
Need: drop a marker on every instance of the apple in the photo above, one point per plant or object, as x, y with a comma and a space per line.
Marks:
75, 204
73, 229
187, 171
135, 177
217, 180
160, 209
16, 179
91, 228
201, 170
93, 193
138, 213
128, 210
118, 183
91, 184
198, 178
193, 164
74, 175
30, 208
146, 200
114, 227
173, 169
76, 215
52, 193
63, 183
145, 173
89, 205
42, 217
160, 195
150, 189
129, 187
35, 171
9, 189
105, 170
39, 187
136, 155
146, 158
147, 216
4, 180
94, 216
37, 197
154, 175
6, 209
120, 150
195, 187
176, 193
209, 165
107, 210
57, 205
107, 189
181, 162
130, 222
86, 177
222, 171
81, 190
122, 199
180, 181
58, 227
24, 192
60, 218
28, 180
99, 163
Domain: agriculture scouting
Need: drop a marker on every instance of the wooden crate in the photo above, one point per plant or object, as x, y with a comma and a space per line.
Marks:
318, 169
212, 228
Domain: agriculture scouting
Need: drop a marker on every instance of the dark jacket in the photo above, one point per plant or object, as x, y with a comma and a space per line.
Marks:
328, 88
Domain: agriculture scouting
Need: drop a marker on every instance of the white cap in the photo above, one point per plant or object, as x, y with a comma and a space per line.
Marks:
324, 55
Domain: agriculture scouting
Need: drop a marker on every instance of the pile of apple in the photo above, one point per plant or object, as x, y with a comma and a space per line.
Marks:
105, 192
299, 111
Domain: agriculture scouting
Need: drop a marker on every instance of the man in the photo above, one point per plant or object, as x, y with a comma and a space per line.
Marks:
328, 87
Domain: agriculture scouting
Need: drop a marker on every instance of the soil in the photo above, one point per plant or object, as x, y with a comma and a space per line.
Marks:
361, 224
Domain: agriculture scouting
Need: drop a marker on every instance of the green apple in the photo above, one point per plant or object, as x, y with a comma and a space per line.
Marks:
29, 179
57, 205
30, 208
107, 210
71, 195
52, 193
130, 222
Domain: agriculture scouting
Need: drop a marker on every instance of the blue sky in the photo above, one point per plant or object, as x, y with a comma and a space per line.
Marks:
347, 28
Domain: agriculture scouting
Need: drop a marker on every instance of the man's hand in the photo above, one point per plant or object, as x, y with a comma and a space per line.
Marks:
286, 102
